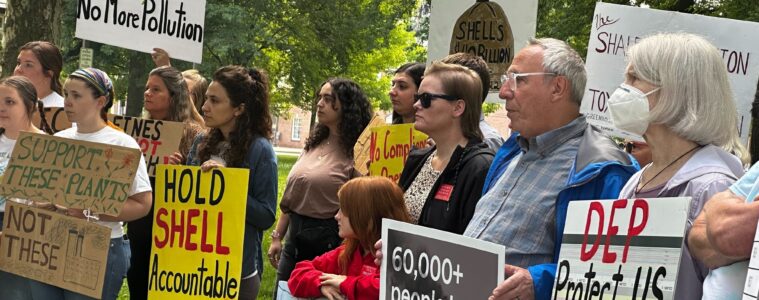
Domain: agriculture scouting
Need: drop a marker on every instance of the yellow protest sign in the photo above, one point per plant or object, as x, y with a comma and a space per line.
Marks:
198, 230
55, 249
158, 139
363, 145
390, 146
72, 173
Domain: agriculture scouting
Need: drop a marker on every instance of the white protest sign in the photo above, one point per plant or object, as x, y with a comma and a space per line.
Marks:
482, 31
176, 26
751, 286
620, 248
617, 27
425, 263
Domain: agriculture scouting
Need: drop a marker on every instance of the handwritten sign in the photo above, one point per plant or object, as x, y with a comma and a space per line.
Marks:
616, 28
389, 148
177, 26
55, 117
425, 263
198, 226
157, 139
71, 173
494, 30
53, 248
621, 248
362, 148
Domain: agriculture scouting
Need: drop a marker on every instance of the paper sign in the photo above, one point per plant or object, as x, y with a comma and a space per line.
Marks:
389, 148
494, 30
751, 286
620, 248
198, 230
55, 249
363, 144
617, 27
426, 263
71, 173
55, 117
176, 26
157, 139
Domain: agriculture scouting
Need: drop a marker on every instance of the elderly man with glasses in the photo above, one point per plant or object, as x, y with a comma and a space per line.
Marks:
554, 156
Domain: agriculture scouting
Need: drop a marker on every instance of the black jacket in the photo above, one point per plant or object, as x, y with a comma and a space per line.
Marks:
465, 172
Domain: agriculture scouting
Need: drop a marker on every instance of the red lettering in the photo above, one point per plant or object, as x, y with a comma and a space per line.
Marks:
177, 228
632, 229
191, 229
220, 249
161, 224
155, 144
610, 257
599, 209
384, 146
205, 247
373, 150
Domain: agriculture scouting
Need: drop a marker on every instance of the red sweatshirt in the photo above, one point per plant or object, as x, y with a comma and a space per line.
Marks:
362, 280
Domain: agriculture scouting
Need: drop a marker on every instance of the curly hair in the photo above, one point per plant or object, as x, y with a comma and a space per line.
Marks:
248, 87
181, 108
355, 114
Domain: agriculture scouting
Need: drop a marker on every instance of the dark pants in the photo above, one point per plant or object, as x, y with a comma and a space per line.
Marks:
306, 238
140, 232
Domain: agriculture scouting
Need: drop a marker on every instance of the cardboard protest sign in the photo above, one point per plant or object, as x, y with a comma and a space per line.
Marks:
425, 263
158, 139
390, 146
494, 30
176, 26
71, 173
55, 117
621, 248
363, 145
616, 28
59, 250
198, 230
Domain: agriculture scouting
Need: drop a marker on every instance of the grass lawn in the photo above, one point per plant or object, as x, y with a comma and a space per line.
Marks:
285, 162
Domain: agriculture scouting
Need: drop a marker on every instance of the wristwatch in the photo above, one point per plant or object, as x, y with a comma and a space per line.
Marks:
275, 234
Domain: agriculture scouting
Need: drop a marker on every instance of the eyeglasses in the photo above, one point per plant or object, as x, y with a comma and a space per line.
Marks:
629, 146
426, 98
512, 77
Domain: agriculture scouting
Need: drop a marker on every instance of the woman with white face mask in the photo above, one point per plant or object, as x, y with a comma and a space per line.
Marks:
677, 96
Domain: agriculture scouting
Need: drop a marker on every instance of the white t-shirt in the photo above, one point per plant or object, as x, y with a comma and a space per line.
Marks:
6, 147
111, 136
53, 100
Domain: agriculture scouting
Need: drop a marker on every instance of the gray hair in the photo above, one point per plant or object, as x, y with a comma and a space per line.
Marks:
695, 100
560, 58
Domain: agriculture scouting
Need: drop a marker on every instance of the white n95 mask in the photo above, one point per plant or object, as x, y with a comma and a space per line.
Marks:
629, 110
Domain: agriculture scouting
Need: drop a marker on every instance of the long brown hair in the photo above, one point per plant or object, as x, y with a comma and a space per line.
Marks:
51, 60
181, 108
365, 201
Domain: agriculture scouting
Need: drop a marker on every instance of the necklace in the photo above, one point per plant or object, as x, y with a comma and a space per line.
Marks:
323, 153
640, 188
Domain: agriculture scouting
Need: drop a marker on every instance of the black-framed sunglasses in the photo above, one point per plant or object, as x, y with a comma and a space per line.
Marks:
629, 146
426, 98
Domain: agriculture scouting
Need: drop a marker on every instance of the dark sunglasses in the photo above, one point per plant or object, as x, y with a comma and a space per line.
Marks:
426, 98
629, 146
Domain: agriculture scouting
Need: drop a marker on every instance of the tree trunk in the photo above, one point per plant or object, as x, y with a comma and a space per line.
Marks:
139, 67
26, 21
753, 138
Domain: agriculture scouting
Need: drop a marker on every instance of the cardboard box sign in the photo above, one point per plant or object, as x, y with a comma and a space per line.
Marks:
621, 248
425, 263
59, 250
71, 173
158, 139
55, 117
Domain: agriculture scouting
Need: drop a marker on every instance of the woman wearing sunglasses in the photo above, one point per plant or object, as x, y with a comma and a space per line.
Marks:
443, 183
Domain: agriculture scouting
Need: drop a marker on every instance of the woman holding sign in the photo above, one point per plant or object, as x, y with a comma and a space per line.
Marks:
403, 87
310, 202
166, 98
18, 100
350, 270
88, 95
237, 112
443, 183
676, 94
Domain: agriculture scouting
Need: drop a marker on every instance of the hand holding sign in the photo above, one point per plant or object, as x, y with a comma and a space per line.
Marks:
518, 285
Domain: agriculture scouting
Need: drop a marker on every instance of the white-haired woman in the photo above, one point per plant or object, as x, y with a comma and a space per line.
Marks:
677, 96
